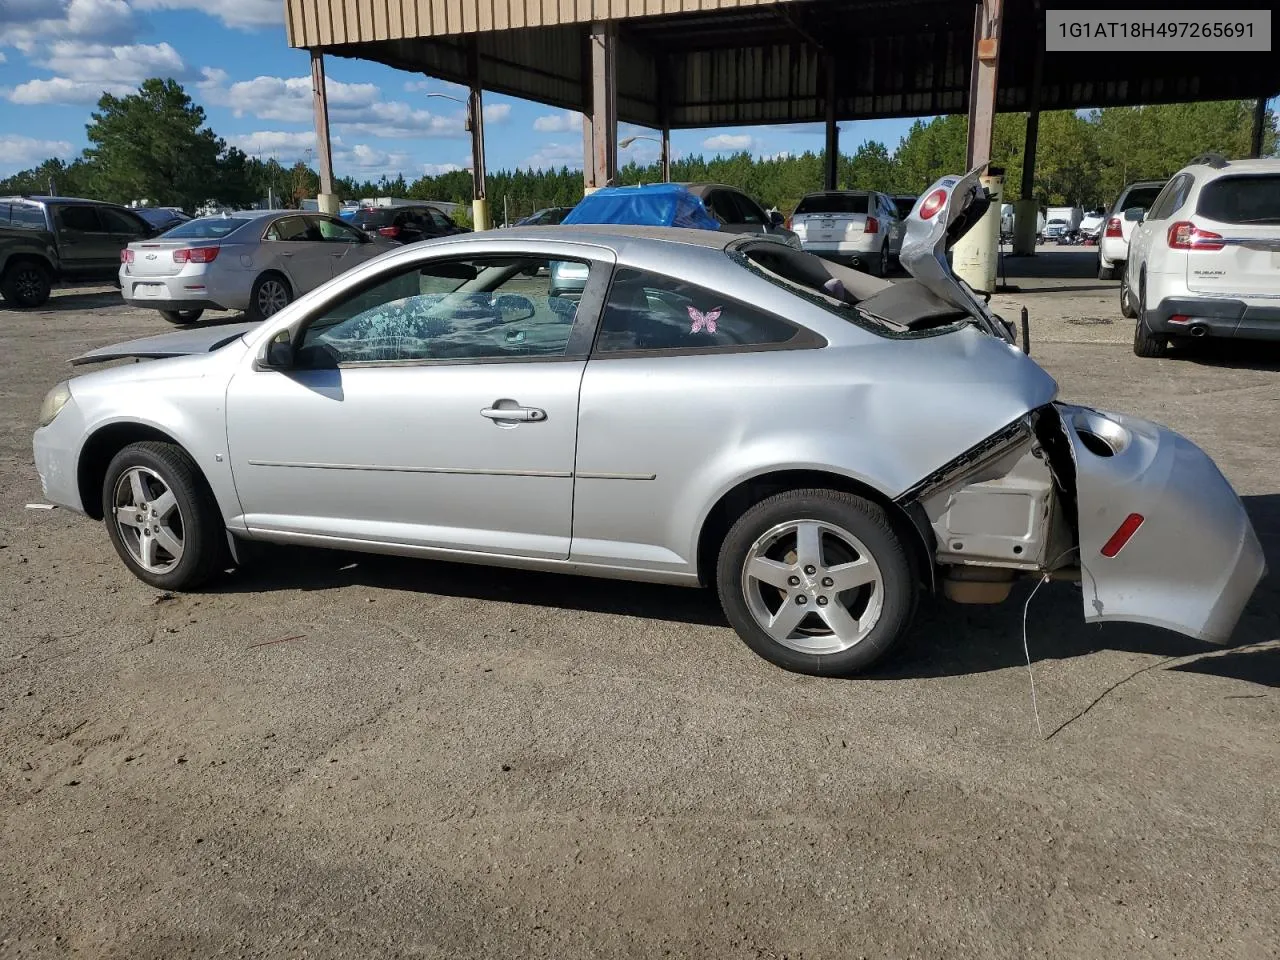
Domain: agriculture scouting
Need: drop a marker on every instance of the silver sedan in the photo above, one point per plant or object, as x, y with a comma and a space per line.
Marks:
256, 261
820, 446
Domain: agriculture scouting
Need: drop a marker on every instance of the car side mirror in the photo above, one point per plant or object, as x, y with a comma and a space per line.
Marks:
1135, 214
776, 219
279, 355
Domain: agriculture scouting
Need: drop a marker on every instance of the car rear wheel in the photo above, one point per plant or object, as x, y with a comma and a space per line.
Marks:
161, 516
1146, 343
883, 268
182, 316
271, 294
1107, 273
26, 283
1126, 301
816, 581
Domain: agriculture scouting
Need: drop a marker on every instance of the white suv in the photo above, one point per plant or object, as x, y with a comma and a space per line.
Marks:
1130, 207
1205, 261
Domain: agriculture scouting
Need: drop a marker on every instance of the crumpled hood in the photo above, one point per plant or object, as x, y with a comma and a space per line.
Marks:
180, 343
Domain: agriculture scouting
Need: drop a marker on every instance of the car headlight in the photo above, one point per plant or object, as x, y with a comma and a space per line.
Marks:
54, 401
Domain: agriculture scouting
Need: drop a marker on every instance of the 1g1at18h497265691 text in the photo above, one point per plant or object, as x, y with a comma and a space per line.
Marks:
1241, 31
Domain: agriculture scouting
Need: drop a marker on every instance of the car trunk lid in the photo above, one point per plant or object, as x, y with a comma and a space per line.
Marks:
155, 258
1233, 240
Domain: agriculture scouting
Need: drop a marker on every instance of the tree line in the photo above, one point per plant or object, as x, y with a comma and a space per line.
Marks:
154, 144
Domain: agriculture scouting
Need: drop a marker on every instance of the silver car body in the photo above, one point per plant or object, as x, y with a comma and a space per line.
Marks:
947, 424
325, 248
827, 226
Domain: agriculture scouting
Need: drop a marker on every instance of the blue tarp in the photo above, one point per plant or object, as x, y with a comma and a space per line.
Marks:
654, 205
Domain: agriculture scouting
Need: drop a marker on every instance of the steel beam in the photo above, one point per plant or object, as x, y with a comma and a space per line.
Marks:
601, 162
831, 173
987, 20
1259, 120
475, 121
324, 153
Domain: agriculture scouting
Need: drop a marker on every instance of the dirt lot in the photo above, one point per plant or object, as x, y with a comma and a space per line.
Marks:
341, 756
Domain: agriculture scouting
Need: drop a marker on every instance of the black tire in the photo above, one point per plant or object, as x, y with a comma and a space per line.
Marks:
26, 283
257, 310
1126, 302
1146, 343
883, 271
205, 549
182, 316
1106, 273
864, 520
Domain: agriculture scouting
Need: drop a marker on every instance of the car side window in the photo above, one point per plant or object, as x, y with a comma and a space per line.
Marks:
333, 231
748, 210
439, 219
650, 312
79, 218
722, 207
291, 229
23, 216
121, 223
1171, 198
483, 309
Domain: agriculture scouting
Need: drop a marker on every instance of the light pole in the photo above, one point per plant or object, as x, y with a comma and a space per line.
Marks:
663, 145
475, 124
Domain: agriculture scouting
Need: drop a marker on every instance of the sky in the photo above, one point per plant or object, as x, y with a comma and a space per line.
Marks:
58, 56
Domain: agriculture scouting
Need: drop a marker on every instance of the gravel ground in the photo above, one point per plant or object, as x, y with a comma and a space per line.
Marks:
345, 756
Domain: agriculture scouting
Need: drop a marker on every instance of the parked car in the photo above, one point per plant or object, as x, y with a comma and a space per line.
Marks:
47, 239
1113, 248
161, 218
440, 401
858, 227
1205, 260
1091, 224
1055, 229
738, 213
253, 261
546, 217
406, 224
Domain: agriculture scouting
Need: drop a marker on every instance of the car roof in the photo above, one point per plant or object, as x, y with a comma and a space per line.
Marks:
1263, 165
65, 201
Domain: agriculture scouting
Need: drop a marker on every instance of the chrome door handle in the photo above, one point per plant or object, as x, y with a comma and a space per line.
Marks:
517, 414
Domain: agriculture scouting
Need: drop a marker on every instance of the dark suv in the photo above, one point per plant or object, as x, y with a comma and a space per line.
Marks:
43, 239
406, 224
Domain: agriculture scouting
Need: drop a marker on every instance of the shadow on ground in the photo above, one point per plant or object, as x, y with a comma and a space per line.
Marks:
947, 639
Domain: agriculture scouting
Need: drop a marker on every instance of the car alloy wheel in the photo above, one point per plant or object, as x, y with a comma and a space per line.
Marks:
148, 520
812, 586
29, 282
273, 297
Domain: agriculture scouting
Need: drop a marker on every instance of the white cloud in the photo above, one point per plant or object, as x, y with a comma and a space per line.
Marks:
565, 122
366, 160
3, 58
437, 169
87, 70
554, 156
285, 145
18, 152
357, 107
25, 23
211, 78
729, 141
234, 13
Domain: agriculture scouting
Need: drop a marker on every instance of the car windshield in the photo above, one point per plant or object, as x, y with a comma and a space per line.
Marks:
1058, 221
1142, 197
371, 219
1242, 199
207, 228
833, 203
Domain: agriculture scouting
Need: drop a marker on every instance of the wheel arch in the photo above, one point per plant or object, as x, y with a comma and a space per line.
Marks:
733, 503
99, 449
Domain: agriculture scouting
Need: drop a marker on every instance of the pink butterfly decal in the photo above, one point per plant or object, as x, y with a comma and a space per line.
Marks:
704, 321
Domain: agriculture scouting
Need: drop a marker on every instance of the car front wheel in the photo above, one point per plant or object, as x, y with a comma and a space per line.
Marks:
1146, 343
817, 581
26, 283
161, 516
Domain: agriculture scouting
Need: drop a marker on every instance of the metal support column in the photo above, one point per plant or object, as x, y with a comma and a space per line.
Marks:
327, 201
600, 131
831, 171
664, 117
475, 122
1026, 213
987, 18
1259, 120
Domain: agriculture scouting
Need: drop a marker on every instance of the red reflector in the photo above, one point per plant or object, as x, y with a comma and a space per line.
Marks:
196, 255
871, 226
1122, 535
389, 231
1114, 228
126, 255
932, 204
1179, 318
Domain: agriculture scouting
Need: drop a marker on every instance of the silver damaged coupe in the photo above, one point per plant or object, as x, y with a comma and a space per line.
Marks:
701, 408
